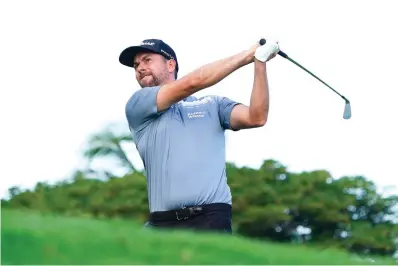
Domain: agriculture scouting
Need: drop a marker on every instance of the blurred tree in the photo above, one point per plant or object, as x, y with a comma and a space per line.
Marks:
108, 144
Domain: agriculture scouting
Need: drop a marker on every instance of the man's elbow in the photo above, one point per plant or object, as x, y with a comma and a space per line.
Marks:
258, 116
258, 122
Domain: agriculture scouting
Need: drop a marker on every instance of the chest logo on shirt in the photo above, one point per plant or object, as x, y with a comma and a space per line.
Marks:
196, 108
196, 114
196, 103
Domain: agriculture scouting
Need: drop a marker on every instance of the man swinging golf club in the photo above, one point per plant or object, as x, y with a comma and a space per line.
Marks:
180, 138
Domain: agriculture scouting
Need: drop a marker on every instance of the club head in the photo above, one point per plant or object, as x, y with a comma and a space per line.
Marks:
347, 110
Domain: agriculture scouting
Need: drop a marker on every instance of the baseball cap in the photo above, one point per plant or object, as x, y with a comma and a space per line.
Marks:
149, 45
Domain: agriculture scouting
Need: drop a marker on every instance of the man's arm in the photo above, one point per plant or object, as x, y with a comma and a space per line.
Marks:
202, 78
256, 114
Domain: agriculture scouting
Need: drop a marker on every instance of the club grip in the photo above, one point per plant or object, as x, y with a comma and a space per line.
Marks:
263, 41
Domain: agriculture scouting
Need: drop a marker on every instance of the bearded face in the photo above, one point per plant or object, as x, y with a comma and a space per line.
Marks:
151, 69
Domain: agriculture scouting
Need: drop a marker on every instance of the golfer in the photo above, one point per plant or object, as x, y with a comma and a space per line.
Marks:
180, 138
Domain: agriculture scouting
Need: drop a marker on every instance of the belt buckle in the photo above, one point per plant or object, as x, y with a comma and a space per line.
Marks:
196, 210
183, 218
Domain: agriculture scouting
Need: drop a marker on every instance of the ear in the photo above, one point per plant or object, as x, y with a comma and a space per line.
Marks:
171, 65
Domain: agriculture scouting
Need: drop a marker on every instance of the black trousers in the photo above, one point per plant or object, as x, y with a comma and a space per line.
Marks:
216, 217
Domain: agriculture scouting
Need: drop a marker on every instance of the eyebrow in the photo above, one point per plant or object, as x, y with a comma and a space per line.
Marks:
143, 58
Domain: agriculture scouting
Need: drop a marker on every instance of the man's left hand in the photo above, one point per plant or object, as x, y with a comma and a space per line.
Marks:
267, 51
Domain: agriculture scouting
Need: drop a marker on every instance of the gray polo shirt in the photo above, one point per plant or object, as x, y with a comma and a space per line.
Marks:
182, 148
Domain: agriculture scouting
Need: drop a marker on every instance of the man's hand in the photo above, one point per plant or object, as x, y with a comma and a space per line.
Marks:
267, 51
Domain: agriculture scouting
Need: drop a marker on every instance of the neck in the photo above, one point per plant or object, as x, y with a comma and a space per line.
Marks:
167, 81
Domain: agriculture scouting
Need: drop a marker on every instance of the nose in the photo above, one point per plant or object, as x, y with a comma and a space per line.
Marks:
140, 67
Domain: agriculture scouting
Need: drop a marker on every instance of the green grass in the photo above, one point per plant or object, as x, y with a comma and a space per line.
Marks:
30, 238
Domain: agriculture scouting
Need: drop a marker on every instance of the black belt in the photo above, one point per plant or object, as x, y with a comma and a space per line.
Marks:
180, 214
187, 212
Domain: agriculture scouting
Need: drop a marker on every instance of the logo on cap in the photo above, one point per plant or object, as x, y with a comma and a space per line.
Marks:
148, 43
167, 54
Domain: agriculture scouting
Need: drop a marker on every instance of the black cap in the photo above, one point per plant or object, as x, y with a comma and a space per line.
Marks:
150, 45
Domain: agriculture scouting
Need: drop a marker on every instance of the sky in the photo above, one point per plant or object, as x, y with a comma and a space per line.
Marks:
61, 80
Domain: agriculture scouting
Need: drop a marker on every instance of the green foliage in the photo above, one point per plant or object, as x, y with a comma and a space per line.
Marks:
269, 203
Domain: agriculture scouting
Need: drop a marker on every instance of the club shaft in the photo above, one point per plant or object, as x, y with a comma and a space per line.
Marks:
309, 72
263, 41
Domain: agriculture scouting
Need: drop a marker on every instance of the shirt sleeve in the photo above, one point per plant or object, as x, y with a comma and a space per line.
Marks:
141, 108
225, 106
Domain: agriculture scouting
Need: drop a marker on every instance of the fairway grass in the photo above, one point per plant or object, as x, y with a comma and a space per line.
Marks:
31, 238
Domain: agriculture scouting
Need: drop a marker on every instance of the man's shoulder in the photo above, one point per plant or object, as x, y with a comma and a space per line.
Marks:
144, 91
141, 93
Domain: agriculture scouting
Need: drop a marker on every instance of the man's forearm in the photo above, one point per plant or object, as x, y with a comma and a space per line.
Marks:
201, 78
214, 72
259, 100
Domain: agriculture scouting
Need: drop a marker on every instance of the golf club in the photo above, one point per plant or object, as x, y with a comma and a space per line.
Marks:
347, 109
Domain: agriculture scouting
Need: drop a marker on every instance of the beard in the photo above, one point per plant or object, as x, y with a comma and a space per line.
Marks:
151, 80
